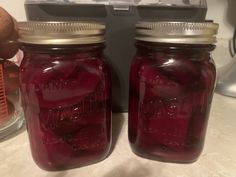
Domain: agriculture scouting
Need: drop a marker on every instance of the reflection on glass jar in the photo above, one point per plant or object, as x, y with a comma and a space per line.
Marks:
66, 93
172, 80
11, 118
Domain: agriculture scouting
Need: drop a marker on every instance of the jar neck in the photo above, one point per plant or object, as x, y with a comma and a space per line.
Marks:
151, 48
83, 49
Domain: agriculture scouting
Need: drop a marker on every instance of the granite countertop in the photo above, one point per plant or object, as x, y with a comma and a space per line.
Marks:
217, 160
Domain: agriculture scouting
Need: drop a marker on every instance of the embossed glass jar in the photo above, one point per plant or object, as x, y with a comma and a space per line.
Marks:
66, 93
172, 80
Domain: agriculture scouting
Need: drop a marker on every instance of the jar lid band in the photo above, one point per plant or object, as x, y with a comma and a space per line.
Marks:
61, 33
177, 32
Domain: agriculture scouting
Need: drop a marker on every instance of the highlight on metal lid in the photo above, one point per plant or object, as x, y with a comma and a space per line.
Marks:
177, 32
61, 33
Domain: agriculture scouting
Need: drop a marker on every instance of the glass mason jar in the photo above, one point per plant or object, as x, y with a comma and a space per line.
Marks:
172, 80
11, 116
66, 93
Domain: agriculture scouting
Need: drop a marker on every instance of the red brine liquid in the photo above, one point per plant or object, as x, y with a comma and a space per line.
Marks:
66, 99
171, 88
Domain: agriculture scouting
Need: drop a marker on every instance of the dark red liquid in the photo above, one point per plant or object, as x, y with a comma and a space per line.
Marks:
66, 99
171, 91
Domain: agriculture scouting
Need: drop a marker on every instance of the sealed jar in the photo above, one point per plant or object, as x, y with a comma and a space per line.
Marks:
66, 93
172, 80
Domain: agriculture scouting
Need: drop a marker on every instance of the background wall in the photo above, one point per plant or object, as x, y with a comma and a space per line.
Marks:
221, 12
15, 8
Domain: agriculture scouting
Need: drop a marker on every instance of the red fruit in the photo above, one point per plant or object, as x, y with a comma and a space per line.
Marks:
9, 48
8, 36
6, 24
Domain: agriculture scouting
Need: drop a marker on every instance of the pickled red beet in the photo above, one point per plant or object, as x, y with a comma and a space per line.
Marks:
57, 149
51, 78
180, 69
70, 119
169, 102
165, 122
68, 95
83, 140
154, 83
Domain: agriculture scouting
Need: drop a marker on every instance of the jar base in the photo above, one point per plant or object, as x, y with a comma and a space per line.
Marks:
164, 157
69, 166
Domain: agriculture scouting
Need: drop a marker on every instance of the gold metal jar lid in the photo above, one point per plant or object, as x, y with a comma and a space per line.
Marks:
61, 33
177, 32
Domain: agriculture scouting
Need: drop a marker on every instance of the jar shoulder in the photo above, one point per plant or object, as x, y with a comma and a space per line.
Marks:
161, 60
173, 70
43, 65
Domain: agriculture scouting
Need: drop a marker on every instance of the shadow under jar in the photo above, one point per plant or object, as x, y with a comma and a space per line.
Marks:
172, 80
66, 93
